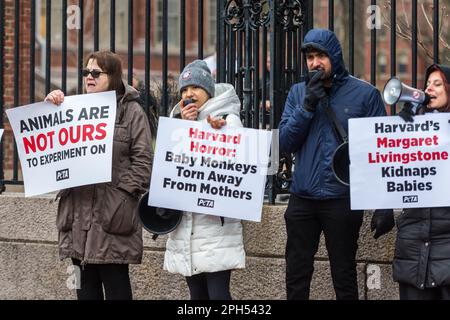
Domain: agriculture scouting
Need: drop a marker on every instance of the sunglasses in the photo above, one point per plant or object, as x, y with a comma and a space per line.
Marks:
94, 73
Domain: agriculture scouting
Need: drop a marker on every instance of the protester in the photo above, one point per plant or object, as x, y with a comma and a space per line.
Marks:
98, 225
421, 263
319, 202
205, 248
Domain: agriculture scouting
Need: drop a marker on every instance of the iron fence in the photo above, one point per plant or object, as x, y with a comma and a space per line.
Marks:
257, 46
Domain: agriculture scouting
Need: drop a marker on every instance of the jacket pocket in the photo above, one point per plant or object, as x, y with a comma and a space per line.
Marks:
64, 218
121, 133
119, 212
121, 147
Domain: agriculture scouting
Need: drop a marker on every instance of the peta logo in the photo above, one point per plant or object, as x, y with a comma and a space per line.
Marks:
410, 199
62, 174
205, 203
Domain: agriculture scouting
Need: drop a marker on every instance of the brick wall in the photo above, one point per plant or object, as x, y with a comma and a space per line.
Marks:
24, 67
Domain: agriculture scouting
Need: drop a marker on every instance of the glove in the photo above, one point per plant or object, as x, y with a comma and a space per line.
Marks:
382, 222
407, 112
314, 92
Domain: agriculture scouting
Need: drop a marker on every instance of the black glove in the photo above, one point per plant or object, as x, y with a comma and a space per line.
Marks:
314, 91
382, 222
407, 112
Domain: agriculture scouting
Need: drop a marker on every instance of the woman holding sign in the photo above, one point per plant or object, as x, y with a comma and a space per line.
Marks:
98, 227
422, 253
205, 248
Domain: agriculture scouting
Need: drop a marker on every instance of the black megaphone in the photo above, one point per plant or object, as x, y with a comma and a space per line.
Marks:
341, 164
158, 221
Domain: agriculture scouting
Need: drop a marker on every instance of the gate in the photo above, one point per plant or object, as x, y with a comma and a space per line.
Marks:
257, 45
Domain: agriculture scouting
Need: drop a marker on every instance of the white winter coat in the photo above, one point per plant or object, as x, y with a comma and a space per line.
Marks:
201, 243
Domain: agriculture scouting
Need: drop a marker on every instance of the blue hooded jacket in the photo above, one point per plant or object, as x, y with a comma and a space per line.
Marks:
311, 136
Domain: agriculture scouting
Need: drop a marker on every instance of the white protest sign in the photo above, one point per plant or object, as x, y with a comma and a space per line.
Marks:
65, 146
1, 134
218, 172
398, 164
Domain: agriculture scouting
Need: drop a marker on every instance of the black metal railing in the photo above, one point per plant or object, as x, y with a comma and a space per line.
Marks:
249, 34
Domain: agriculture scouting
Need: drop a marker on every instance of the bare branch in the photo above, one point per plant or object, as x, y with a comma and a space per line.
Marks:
404, 27
426, 17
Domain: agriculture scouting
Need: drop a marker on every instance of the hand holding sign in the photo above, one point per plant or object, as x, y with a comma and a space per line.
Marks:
55, 97
216, 123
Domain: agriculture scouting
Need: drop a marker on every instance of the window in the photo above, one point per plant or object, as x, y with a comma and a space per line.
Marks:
382, 63
173, 23
402, 63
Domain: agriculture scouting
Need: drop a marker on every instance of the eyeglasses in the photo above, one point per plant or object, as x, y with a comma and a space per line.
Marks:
94, 73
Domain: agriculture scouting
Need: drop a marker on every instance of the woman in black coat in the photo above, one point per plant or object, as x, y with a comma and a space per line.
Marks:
422, 250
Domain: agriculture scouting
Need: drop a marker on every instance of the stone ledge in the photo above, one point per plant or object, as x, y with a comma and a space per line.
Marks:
30, 267
33, 219
34, 271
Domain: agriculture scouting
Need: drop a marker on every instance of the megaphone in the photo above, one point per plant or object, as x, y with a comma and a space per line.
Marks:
158, 221
395, 91
341, 164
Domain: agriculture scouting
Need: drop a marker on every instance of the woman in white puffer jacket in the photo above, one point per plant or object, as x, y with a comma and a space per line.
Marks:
205, 248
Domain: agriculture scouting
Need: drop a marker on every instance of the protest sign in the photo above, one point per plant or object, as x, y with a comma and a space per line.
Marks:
65, 146
395, 164
1, 134
218, 172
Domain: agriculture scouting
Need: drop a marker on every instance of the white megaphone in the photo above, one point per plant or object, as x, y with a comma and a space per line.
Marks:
395, 91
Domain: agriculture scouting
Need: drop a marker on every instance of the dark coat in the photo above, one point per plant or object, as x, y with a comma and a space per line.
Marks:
311, 136
98, 223
422, 249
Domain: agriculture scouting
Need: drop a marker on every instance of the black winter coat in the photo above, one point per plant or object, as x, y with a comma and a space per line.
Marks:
422, 249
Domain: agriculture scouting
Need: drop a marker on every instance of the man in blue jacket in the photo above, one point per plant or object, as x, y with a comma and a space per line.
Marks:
319, 202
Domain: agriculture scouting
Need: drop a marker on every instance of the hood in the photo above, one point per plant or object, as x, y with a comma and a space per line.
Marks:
225, 102
326, 41
445, 69
130, 93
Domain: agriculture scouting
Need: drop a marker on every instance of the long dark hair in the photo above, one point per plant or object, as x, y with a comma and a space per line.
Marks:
111, 64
